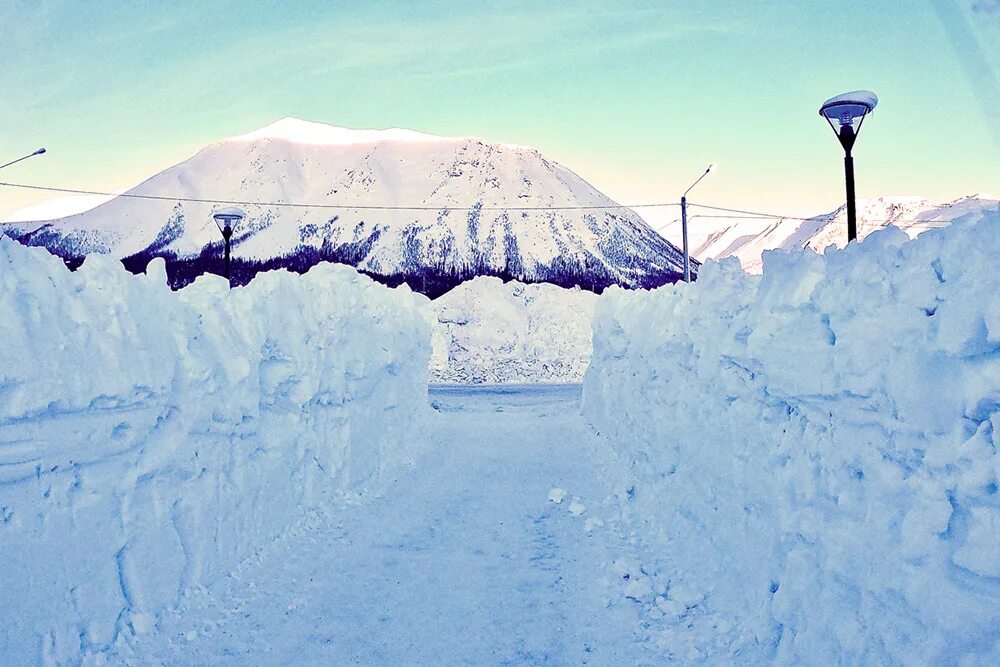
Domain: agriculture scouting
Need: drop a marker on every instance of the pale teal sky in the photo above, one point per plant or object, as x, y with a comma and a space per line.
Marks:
636, 96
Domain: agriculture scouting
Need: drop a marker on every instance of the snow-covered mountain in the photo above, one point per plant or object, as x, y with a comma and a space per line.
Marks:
357, 176
748, 239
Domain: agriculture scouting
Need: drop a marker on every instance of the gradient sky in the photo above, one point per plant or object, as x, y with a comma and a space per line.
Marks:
636, 96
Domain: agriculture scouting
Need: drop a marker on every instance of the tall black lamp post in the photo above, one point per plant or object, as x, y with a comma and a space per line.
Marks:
226, 219
684, 223
849, 111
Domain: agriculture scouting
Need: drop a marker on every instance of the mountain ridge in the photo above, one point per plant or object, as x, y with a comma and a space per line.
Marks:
399, 205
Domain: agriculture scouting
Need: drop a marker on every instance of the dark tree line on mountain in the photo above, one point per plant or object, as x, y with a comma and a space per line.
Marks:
586, 272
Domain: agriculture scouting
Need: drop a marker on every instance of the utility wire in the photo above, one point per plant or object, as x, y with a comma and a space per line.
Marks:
355, 207
741, 214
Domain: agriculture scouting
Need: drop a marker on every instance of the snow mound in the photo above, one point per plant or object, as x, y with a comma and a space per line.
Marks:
488, 331
816, 449
151, 440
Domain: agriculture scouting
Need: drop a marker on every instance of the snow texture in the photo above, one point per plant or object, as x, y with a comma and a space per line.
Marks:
151, 440
488, 331
863, 97
814, 450
461, 560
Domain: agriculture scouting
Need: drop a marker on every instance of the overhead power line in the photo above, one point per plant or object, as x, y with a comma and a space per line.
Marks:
356, 207
736, 214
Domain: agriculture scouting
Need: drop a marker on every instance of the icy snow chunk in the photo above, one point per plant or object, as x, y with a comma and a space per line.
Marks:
685, 595
638, 589
576, 508
556, 495
981, 550
591, 523
142, 623
670, 607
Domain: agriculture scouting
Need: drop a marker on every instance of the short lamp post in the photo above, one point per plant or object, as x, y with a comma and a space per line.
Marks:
684, 224
226, 219
848, 111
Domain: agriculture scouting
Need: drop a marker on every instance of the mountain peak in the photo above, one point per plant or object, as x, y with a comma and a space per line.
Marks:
301, 131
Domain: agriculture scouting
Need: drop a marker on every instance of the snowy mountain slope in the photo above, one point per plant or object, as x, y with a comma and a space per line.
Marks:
295, 161
748, 239
488, 331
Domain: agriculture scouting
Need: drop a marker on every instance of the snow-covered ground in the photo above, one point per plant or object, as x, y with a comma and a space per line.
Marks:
793, 468
488, 331
150, 441
464, 560
814, 452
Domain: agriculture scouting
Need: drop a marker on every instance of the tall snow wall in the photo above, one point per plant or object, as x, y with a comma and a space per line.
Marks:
814, 451
150, 441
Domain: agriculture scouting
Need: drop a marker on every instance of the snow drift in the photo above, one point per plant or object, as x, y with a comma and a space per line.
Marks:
151, 440
818, 446
488, 331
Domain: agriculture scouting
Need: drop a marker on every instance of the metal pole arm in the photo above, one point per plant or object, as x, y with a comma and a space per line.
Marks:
40, 151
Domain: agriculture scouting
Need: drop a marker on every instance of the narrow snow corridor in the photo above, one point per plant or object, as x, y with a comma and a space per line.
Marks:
463, 560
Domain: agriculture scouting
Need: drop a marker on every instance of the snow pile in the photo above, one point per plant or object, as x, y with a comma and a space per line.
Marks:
814, 451
151, 440
488, 331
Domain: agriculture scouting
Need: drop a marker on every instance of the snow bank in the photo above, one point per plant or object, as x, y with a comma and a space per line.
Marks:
488, 331
818, 446
150, 440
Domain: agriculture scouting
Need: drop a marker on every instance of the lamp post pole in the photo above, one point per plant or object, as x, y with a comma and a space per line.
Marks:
226, 219
40, 151
684, 233
684, 224
227, 235
852, 215
845, 114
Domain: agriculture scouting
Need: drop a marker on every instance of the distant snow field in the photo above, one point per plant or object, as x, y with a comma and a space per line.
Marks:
487, 331
748, 239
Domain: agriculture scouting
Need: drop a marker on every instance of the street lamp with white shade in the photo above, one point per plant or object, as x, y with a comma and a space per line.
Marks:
845, 114
226, 219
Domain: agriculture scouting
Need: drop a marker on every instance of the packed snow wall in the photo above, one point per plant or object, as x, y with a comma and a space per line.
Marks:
813, 452
150, 440
489, 331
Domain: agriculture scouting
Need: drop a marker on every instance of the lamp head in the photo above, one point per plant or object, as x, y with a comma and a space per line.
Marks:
227, 218
848, 111
40, 151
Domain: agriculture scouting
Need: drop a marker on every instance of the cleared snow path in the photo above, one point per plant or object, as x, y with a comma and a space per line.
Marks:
466, 558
